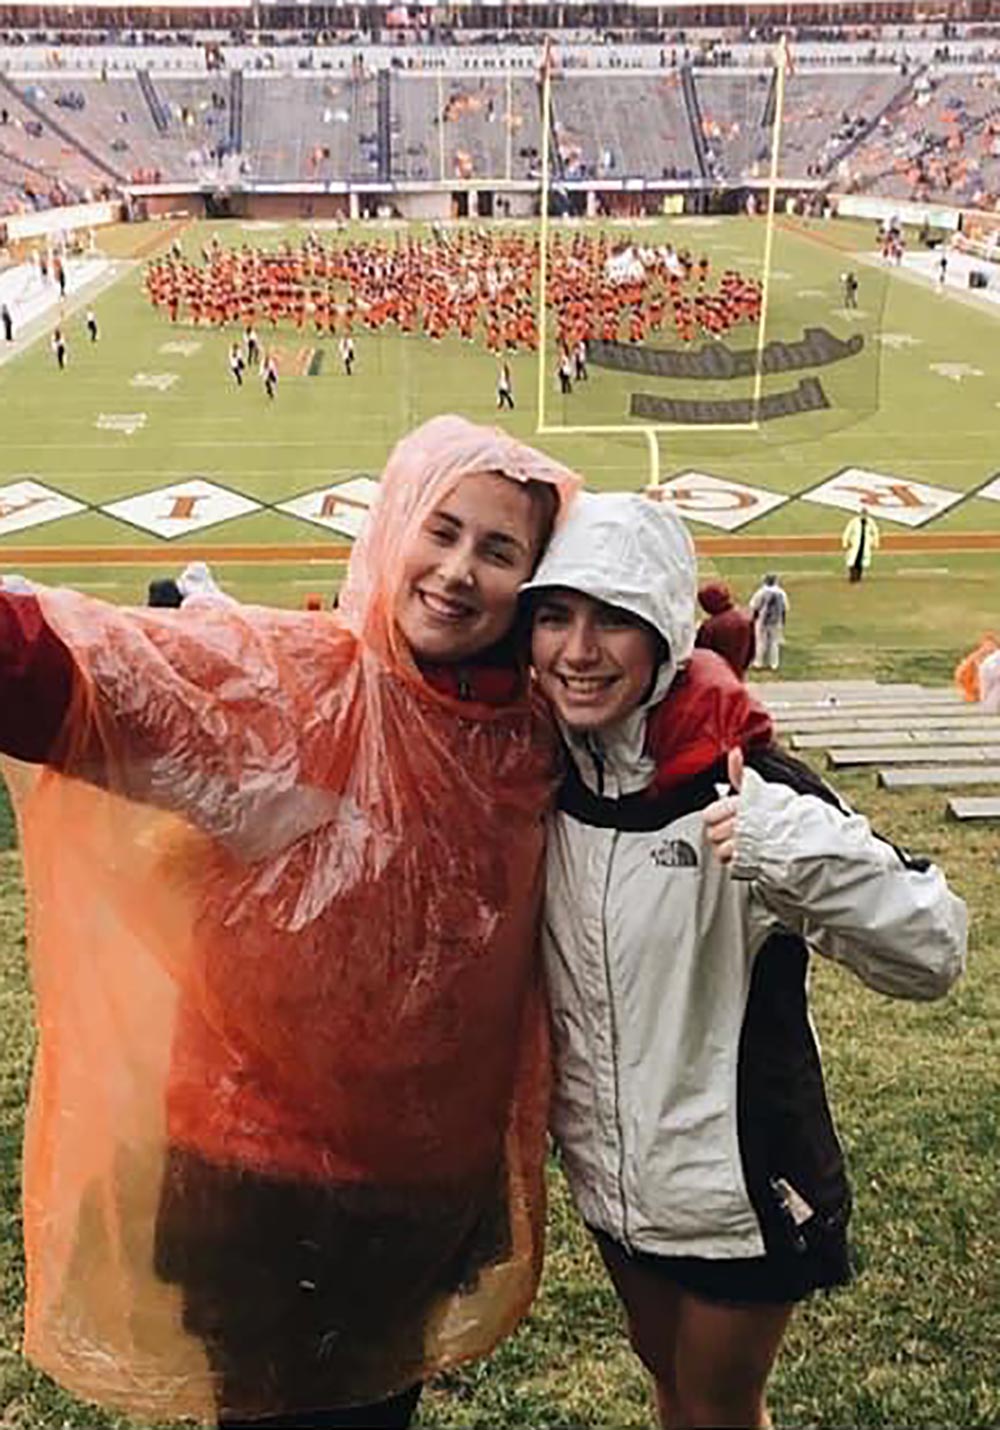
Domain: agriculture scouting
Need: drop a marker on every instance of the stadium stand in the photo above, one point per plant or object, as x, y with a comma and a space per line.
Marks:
36, 137
474, 112
882, 108
829, 115
735, 123
308, 128
943, 144
599, 137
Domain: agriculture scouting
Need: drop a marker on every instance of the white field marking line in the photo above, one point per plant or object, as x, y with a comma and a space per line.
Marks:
40, 326
640, 429
920, 571
93, 585
929, 284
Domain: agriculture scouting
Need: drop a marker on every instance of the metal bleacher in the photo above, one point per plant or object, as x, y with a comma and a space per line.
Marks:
827, 115
929, 132
940, 143
733, 112
308, 127
618, 126
31, 107
457, 127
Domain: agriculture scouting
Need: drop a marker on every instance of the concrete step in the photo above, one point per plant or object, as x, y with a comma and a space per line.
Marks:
917, 755
859, 739
940, 776
972, 806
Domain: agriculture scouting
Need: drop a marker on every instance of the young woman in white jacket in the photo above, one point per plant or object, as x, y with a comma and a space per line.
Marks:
692, 867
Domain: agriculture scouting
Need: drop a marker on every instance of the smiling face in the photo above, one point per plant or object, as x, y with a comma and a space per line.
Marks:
464, 565
594, 662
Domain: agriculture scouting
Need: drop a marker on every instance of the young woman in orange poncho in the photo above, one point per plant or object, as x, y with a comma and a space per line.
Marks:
286, 1129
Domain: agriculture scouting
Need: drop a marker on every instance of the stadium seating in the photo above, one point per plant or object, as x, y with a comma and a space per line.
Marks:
925, 132
615, 126
475, 119
943, 144
309, 128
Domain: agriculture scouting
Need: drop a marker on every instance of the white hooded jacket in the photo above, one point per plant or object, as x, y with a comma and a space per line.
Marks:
688, 1081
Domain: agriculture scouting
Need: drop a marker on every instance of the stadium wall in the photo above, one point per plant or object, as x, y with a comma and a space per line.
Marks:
58, 221
869, 206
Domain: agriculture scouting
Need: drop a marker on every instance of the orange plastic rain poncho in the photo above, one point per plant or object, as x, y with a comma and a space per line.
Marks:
292, 1059
967, 670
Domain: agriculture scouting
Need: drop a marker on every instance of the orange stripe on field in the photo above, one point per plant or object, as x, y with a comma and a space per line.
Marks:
730, 545
12, 556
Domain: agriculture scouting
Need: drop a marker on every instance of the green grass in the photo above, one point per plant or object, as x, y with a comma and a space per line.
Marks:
891, 412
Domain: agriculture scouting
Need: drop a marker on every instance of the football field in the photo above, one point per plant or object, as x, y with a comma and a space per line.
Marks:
143, 454
908, 382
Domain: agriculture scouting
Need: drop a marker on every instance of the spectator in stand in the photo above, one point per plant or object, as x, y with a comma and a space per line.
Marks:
728, 629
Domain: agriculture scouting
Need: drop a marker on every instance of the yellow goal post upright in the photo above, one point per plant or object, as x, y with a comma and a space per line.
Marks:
651, 431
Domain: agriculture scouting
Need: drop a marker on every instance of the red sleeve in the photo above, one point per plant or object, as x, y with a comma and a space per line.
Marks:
37, 673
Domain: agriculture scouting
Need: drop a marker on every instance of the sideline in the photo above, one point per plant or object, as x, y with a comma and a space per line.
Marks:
58, 312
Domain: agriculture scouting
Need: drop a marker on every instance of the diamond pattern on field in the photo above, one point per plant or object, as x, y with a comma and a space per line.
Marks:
181, 507
341, 507
717, 501
25, 503
886, 496
992, 491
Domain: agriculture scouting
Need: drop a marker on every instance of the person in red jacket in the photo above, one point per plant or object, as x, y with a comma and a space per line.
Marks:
286, 1134
728, 628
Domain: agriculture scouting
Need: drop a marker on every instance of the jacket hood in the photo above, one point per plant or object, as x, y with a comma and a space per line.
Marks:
422, 469
197, 580
625, 550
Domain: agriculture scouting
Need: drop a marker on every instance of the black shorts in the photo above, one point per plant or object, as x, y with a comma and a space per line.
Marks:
778, 1278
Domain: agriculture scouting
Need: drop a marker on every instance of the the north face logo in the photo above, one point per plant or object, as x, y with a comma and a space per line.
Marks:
674, 854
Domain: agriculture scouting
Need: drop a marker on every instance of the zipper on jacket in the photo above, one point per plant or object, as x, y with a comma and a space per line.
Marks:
594, 750
614, 1041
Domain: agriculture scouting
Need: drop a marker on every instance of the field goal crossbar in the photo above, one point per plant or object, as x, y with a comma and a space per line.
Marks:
652, 429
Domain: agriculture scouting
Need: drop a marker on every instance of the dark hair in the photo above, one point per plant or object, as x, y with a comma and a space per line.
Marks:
164, 592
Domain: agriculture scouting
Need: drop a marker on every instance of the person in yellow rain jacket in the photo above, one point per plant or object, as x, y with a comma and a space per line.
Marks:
859, 539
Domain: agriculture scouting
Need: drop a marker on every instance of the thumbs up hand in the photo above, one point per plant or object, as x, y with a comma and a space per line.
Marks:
720, 816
